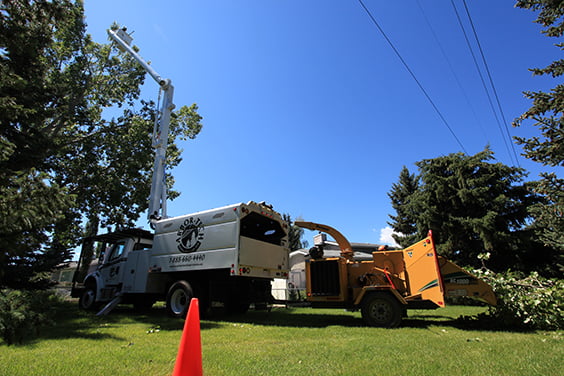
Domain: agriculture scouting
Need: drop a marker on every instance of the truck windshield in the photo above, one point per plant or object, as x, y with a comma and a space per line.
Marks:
262, 228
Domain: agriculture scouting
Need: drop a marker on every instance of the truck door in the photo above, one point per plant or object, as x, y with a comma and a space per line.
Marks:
114, 265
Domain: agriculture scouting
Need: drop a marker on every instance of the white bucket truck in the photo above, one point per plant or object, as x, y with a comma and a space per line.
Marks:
227, 255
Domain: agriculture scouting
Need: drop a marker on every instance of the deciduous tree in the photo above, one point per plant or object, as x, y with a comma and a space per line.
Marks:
61, 159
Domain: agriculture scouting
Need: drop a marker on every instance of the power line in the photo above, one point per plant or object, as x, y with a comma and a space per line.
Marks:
480, 74
412, 74
491, 82
452, 70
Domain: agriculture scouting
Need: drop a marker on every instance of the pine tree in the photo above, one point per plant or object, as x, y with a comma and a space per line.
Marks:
473, 206
547, 113
295, 234
404, 223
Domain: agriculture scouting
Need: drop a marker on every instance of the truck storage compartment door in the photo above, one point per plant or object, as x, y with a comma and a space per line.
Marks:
135, 271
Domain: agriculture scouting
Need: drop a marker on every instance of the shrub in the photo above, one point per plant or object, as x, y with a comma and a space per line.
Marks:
525, 301
23, 313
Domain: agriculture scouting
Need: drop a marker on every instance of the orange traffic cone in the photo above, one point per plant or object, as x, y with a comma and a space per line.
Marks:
189, 358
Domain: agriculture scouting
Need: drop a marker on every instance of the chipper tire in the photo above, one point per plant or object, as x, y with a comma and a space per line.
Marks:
382, 310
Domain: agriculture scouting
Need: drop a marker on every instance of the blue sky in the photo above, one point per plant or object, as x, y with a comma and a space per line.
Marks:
307, 107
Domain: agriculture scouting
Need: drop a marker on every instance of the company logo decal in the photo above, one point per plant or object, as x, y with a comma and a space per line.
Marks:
190, 235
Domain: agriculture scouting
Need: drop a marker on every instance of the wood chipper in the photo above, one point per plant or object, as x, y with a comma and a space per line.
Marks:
389, 284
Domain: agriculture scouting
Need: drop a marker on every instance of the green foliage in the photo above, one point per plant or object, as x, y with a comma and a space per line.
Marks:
473, 206
401, 195
549, 216
35, 107
295, 234
525, 301
547, 114
61, 161
30, 208
23, 313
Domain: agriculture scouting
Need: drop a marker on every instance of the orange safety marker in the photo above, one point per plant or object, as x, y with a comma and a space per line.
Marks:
189, 358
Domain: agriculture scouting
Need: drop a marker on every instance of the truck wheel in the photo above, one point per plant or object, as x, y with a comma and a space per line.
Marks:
178, 299
87, 300
381, 310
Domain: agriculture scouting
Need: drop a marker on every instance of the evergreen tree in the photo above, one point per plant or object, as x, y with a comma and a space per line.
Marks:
405, 220
295, 234
474, 206
547, 113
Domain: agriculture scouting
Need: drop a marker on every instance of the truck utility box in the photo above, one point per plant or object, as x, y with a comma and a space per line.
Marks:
248, 239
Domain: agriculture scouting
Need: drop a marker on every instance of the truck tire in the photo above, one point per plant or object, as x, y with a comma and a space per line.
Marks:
178, 299
87, 300
381, 309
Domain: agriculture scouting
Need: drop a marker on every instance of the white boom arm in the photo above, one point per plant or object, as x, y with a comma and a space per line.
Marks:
158, 195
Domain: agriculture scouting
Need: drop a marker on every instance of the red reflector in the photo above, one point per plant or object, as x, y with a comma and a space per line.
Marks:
428, 241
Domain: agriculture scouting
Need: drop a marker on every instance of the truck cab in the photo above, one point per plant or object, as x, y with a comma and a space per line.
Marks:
117, 270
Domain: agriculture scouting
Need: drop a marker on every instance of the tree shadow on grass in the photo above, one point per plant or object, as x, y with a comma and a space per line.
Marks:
71, 322
290, 318
480, 322
154, 317
67, 321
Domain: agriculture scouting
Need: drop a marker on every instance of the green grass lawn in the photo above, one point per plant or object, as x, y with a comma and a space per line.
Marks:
301, 341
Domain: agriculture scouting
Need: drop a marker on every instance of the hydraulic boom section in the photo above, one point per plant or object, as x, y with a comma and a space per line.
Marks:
158, 195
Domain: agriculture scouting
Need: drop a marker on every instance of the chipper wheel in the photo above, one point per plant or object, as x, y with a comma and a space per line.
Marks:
381, 309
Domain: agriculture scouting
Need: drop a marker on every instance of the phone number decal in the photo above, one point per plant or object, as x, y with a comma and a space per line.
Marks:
183, 259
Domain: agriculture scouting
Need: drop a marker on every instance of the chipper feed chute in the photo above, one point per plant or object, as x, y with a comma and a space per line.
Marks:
458, 282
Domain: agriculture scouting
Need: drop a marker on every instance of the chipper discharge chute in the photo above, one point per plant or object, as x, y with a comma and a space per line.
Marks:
389, 284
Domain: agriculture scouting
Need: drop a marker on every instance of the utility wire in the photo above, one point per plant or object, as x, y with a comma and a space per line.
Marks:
491, 82
452, 70
412, 74
480, 74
